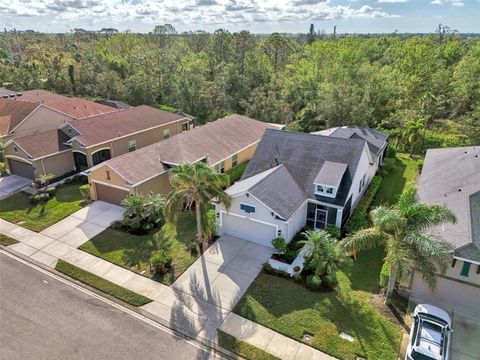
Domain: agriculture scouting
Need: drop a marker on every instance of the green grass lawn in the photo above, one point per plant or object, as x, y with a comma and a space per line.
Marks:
6, 241
243, 348
291, 309
37, 217
131, 251
101, 284
405, 172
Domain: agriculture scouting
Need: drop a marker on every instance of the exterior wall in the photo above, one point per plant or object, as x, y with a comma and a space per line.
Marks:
100, 175
158, 185
41, 120
450, 294
362, 169
297, 222
57, 164
10, 153
242, 156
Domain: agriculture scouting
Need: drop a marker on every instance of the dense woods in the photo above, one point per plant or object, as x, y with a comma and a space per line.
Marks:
427, 86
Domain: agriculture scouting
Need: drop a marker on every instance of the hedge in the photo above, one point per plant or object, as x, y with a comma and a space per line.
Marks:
359, 219
236, 173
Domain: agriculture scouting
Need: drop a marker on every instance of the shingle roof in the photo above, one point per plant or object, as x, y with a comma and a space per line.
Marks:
331, 173
451, 177
216, 140
375, 139
304, 155
44, 143
6, 93
280, 192
99, 129
12, 113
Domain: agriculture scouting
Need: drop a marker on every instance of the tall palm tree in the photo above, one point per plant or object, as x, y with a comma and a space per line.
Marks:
401, 229
195, 184
413, 133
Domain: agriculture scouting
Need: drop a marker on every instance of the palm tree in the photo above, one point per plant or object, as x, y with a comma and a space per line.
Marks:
195, 184
324, 257
401, 229
413, 134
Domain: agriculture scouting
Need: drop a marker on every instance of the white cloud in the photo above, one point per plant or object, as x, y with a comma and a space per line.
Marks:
392, 1
456, 3
199, 12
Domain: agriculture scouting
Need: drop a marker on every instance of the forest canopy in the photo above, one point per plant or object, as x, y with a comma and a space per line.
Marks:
307, 82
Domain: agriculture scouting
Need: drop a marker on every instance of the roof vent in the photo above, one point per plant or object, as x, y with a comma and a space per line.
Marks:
75, 107
459, 190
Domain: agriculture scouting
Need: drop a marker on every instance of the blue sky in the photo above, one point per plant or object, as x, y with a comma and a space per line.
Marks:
258, 16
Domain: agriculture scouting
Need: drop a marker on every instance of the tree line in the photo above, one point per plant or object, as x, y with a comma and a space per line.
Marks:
308, 82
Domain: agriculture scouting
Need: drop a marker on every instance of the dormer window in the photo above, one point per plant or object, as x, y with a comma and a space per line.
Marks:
325, 190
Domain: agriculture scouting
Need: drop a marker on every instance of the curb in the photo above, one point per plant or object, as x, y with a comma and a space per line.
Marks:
176, 330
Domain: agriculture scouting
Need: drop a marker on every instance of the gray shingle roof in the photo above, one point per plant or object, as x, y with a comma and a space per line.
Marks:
303, 156
276, 188
451, 177
331, 173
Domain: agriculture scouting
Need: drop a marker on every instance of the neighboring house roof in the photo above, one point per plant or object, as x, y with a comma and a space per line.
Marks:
375, 139
304, 155
12, 113
451, 177
99, 129
40, 96
276, 188
120, 105
6, 93
214, 141
43, 144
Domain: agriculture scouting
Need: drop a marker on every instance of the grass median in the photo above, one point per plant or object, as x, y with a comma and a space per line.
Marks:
6, 241
101, 284
242, 348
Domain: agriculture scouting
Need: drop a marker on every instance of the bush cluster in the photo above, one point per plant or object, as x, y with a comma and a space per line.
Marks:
359, 219
236, 173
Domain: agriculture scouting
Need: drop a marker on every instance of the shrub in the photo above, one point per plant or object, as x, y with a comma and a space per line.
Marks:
279, 244
236, 173
210, 225
85, 191
329, 281
388, 166
384, 274
51, 191
333, 231
420, 165
290, 254
35, 199
359, 219
267, 268
117, 225
391, 152
313, 282
160, 261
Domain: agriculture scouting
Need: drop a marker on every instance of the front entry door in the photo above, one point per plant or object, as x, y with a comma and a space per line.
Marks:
80, 161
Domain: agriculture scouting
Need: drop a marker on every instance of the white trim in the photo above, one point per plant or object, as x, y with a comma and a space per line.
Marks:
13, 141
73, 127
110, 185
333, 195
131, 134
261, 202
104, 148
81, 152
253, 206
247, 218
18, 158
314, 201
466, 260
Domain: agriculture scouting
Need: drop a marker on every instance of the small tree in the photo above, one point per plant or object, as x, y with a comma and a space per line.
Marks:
143, 212
41, 183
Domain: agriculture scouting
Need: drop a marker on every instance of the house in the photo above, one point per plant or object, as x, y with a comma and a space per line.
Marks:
36, 111
451, 177
296, 180
79, 144
222, 144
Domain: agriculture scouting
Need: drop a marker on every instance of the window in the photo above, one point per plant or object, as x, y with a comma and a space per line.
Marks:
249, 209
320, 189
132, 145
220, 167
324, 190
108, 175
465, 268
185, 127
234, 160
166, 134
362, 183
15, 149
329, 190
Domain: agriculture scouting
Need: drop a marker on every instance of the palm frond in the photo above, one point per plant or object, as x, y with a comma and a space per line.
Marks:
428, 246
422, 216
363, 240
387, 219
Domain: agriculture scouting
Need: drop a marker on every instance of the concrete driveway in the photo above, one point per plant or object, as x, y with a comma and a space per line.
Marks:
10, 184
466, 332
84, 224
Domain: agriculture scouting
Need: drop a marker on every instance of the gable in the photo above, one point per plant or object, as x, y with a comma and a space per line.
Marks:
40, 120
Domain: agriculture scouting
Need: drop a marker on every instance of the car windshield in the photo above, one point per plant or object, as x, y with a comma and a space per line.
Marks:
430, 338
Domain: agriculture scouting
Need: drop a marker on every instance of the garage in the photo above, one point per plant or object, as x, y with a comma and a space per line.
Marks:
248, 229
21, 168
110, 194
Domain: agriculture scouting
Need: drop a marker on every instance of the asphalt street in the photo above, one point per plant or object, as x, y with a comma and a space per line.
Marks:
43, 318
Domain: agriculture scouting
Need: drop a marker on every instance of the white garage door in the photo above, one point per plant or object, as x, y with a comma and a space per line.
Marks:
259, 233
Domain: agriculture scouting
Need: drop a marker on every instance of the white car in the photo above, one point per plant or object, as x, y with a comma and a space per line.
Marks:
430, 334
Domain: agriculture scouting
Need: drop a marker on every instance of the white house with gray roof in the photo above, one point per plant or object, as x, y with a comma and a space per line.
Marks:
451, 177
295, 180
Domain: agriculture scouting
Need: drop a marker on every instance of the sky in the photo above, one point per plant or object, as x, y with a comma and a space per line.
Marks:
257, 16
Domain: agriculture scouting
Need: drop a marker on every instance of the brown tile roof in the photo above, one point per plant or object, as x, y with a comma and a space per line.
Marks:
217, 140
72, 106
43, 144
107, 127
12, 113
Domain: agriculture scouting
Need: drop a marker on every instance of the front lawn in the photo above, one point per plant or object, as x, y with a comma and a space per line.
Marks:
291, 309
404, 172
131, 251
19, 210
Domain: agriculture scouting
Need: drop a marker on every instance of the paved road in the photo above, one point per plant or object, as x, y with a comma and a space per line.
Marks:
44, 318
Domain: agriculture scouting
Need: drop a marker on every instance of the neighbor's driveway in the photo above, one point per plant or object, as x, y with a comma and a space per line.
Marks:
466, 332
11, 184
84, 224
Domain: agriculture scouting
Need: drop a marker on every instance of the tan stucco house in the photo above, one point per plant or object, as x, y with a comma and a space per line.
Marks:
79, 144
222, 144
